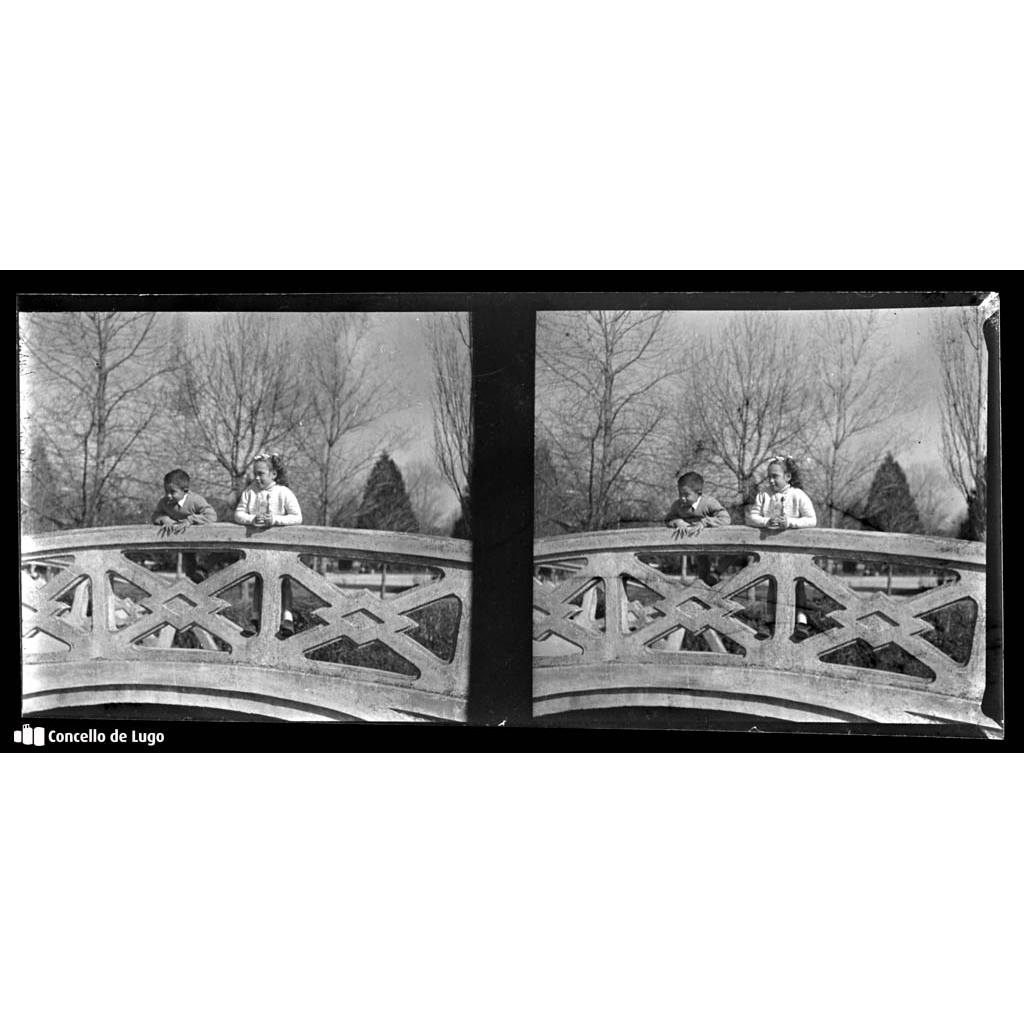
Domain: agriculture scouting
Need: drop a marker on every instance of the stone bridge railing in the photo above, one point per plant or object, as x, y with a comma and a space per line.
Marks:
621, 619
197, 619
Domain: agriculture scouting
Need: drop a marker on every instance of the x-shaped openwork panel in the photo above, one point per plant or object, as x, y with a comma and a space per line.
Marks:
694, 606
880, 620
179, 603
43, 610
364, 617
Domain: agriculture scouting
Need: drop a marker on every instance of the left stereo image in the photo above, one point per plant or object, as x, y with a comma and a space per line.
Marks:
245, 515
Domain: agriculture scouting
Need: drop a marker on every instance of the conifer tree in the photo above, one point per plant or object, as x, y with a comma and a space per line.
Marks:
546, 498
386, 504
890, 507
461, 527
973, 525
43, 504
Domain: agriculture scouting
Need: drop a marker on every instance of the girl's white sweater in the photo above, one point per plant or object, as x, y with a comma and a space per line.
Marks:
796, 505
278, 500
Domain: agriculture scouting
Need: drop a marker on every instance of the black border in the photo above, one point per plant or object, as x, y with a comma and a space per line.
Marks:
503, 324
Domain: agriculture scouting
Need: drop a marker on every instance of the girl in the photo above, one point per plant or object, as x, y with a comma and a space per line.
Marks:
268, 502
785, 507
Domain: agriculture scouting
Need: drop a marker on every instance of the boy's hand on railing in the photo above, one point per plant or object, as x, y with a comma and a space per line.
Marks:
166, 531
687, 530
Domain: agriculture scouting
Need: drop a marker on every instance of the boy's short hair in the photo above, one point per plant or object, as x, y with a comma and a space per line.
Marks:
692, 480
177, 478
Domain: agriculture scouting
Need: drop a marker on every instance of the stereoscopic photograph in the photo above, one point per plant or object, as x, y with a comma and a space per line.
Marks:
744, 519
763, 519
245, 516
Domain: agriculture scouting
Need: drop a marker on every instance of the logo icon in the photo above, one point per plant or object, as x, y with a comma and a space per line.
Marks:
28, 736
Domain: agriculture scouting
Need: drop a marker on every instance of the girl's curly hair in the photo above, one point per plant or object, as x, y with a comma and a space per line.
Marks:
276, 463
789, 465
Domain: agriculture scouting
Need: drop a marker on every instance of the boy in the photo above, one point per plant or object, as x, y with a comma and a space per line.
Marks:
180, 507
694, 510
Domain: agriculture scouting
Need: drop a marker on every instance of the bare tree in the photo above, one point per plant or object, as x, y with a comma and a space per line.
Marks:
344, 394
92, 395
856, 395
963, 357
237, 386
600, 410
449, 339
753, 399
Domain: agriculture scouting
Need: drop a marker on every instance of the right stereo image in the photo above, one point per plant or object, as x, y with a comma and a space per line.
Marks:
764, 519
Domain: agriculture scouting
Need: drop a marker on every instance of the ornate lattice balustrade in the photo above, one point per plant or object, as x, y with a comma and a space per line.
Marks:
298, 623
804, 625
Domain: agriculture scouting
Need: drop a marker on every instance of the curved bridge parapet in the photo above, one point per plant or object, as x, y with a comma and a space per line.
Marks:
805, 625
297, 623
